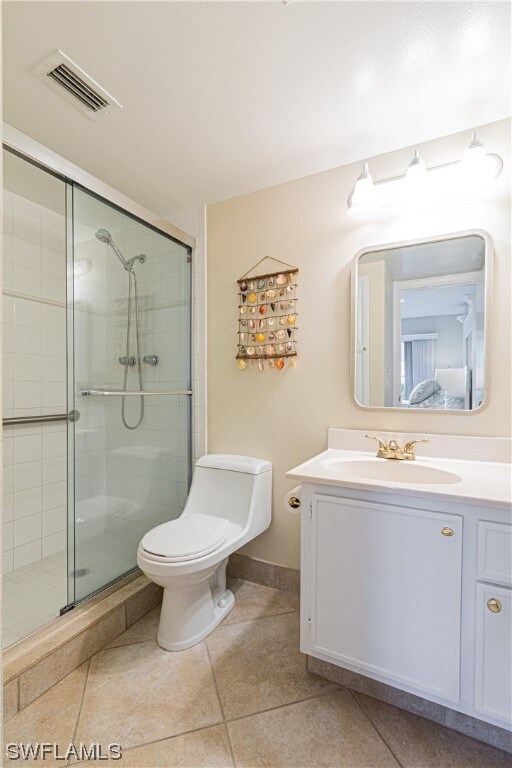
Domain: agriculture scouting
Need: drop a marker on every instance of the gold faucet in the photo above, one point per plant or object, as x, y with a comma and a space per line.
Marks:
392, 450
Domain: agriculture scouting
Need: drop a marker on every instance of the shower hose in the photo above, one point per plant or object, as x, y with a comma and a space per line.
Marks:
131, 274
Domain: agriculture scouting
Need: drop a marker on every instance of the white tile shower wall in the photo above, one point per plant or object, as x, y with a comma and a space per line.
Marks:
34, 360
149, 465
90, 305
193, 221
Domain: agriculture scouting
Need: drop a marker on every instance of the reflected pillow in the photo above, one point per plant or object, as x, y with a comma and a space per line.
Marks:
423, 390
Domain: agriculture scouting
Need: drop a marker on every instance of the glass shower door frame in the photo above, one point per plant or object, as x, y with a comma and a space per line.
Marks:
70, 298
75, 397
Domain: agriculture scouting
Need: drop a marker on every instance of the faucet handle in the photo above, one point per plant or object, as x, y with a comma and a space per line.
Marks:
383, 446
409, 450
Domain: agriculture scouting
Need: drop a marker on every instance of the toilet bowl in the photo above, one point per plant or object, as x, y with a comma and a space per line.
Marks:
229, 504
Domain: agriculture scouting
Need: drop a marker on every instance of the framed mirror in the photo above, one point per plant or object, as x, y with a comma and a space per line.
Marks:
420, 324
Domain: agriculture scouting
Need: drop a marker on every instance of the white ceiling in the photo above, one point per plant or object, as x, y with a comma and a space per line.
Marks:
440, 301
444, 257
223, 98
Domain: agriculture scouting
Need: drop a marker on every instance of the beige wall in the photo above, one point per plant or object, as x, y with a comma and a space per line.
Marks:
284, 416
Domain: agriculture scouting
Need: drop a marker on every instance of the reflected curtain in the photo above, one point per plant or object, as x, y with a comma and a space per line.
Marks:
418, 363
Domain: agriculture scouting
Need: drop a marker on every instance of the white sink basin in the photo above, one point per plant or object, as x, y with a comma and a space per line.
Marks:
389, 470
481, 475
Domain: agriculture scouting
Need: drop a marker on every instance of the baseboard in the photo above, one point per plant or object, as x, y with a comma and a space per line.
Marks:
261, 572
457, 721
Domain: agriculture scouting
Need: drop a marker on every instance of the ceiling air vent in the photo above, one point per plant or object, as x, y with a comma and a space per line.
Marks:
76, 86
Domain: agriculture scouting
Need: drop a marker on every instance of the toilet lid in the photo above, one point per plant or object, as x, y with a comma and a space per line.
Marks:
186, 538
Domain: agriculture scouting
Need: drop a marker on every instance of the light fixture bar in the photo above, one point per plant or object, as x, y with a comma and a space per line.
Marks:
443, 166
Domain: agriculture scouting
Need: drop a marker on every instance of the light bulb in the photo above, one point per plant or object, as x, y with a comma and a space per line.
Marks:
417, 170
364, 198
477, 166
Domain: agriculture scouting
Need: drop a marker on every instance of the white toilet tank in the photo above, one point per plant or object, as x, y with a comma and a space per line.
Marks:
238, 488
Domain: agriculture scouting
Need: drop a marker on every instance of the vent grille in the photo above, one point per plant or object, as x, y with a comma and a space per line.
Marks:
78, 88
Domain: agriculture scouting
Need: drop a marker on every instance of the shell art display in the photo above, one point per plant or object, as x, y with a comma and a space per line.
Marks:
271, 295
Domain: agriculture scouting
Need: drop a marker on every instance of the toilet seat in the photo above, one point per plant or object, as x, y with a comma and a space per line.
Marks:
187, 538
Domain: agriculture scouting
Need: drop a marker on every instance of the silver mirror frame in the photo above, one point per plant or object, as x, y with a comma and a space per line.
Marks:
488, 275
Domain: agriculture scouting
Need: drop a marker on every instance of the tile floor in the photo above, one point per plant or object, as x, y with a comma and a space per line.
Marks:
33, 596
241, 698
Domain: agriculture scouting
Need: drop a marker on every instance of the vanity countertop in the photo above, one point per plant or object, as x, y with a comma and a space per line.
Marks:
473, 482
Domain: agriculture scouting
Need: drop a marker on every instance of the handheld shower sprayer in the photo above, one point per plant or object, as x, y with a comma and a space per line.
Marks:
128, 360
104, 236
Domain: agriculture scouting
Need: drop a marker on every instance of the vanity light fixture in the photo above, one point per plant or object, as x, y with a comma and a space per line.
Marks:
436, 184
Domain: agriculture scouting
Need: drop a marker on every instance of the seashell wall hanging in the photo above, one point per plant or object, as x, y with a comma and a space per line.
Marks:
280, 280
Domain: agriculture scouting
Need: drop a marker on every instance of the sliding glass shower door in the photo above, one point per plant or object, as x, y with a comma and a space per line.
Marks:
129, 329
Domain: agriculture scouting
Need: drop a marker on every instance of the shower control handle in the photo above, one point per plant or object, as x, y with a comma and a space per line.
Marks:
150, 359
130, 361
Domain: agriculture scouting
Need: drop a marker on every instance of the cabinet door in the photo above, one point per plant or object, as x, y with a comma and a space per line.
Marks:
493, 667
385, 592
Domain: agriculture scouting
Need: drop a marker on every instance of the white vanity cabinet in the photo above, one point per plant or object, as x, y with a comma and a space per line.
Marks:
385, 591
400, 588
406, 575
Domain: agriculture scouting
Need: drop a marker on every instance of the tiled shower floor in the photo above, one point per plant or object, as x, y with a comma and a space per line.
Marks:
33, 596
240, 698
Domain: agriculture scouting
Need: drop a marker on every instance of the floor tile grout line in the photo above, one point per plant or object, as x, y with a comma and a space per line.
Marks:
169, 738
287, 704
75, 730
377, 731
290, 602
210, 660
215, 682
256, 618
230, 745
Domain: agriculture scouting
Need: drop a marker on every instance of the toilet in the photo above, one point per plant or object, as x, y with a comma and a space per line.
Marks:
229, 504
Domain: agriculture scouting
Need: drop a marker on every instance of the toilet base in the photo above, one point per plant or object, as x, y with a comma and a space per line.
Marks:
164, 638
191, 612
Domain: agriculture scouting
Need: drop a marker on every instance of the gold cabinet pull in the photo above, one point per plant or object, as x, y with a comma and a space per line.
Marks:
494, 605
447, 531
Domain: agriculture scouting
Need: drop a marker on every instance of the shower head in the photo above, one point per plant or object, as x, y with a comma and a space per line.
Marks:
104, 236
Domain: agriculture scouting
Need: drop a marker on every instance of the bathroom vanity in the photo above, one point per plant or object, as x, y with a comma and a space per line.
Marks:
406, 568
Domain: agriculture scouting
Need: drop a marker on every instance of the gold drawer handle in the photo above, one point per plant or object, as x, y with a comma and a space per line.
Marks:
447, 531
494, 605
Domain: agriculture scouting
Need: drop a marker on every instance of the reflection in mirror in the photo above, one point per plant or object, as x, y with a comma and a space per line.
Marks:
420, 324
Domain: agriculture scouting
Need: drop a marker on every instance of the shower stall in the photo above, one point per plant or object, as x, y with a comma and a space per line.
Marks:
97, 391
